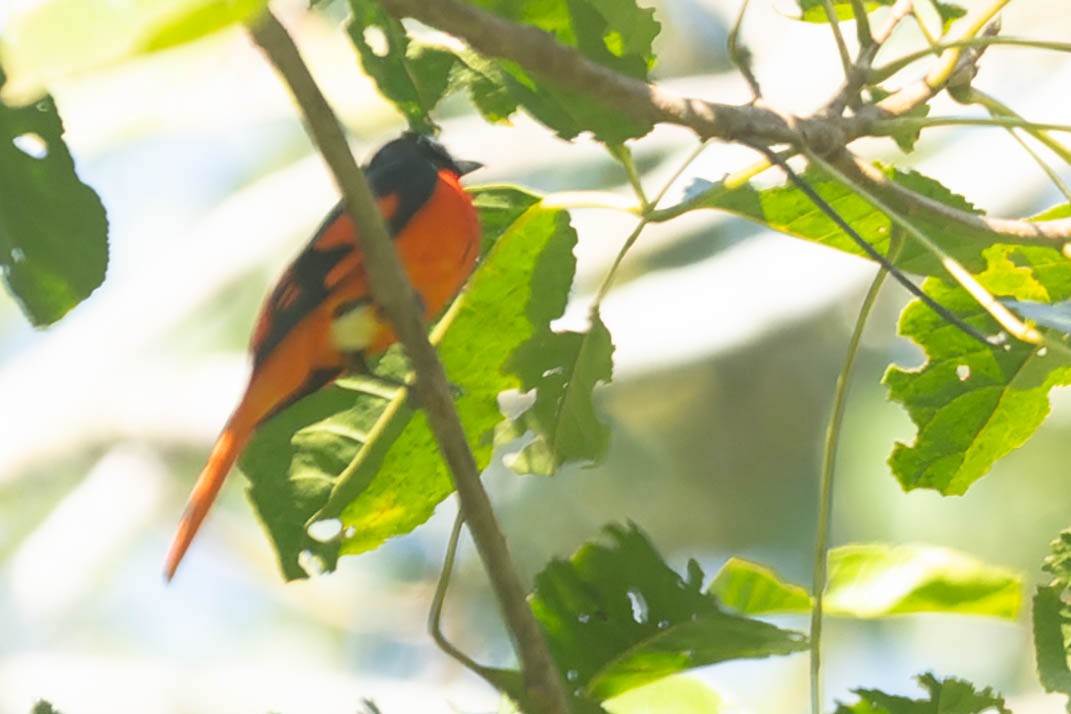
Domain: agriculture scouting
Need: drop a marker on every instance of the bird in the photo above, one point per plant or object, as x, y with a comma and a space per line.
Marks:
320, 320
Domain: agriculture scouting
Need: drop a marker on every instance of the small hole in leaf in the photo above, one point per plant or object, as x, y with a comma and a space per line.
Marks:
325, 530
349, 532
963, 372
31, 144
639, 606
572, 675
309, 562
1043, 351
18, 255
584, 618
377, 41
663, 624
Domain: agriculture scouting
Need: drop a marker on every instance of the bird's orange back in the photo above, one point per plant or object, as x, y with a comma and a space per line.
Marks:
320, 317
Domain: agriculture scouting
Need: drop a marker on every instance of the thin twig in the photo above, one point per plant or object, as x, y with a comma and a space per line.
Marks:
439, 599
740, 55
970, 95
880, 74
857, 78
838, 37
862, 25
392, 292
829, 464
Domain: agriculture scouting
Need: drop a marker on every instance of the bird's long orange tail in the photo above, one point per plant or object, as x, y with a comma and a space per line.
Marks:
227, 448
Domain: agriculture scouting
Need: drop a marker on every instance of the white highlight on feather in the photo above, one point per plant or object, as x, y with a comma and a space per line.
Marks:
353, 330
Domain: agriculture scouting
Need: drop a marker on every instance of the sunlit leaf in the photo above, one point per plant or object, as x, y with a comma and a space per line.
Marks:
670, 695
191, 20
53, 39
815, 11
53, 229
874, 580
879, 580
788, 210
946, 696
754, 589
617, 617
1052, 620
972, 403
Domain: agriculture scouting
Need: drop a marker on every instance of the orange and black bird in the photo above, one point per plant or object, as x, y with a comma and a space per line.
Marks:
320, 320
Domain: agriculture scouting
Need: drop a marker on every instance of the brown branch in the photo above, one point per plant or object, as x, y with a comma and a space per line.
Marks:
392, 291
539, 52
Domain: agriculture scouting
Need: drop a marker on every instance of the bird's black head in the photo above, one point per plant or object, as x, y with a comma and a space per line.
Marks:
408, 169
411, 150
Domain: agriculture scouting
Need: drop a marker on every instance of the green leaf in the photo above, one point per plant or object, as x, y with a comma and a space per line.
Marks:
869, 581
43, 707
617, 617
53, 229
973, 404
670, 695
191, 20
615, 33
949, 12
563, 369
1052, 620
412, 75
946, 696
754, 589
815, 11
877, 580
57, 38
375, 466
788, 210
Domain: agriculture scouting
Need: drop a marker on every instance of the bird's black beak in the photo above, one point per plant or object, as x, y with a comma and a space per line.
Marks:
466, 167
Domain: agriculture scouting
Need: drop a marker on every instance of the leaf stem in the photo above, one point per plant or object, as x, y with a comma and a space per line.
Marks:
623, 155
891, 126
826, 482
880, 74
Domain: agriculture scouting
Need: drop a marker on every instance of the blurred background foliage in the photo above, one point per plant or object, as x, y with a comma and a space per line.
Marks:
728, 341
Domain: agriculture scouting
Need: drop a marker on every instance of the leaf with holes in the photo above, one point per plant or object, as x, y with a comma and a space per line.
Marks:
617, 617
53, 229
412, 75
562, 369
946, 696
973, 404
375, 466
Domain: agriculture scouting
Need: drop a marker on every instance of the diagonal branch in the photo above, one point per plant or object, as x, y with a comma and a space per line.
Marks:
392, 291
